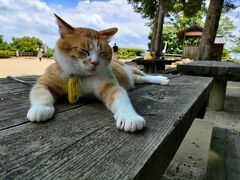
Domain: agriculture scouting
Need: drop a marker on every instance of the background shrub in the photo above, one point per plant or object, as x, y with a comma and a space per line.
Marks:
49, 53
128, 53
6, 54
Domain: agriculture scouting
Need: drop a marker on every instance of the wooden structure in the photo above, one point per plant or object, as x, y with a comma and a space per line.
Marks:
81, 141
195, 32
152, 66
224, 155
220, 70
26, 54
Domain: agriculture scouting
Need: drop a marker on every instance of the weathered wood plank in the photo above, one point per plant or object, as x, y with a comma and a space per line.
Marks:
190, 68
19, 102
234, 69
219, 68
224, 155
14, 112
83, 143
210, 68
9, 86
14, 97
217, 95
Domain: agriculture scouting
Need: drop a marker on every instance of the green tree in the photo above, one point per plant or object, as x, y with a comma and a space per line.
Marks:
26, 44
216, 7
155, 11
236, 48
3, 44
180, 21
174, 45
226, 27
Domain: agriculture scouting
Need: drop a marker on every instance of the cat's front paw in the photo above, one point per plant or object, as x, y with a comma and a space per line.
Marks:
129, 122
163, 80
39, 112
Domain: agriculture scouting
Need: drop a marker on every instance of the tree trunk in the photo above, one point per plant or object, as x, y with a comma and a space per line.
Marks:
159, 29
210, 30
155, 22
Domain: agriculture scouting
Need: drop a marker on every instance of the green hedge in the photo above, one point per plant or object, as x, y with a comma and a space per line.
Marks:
6, 54
129, 52
49, 53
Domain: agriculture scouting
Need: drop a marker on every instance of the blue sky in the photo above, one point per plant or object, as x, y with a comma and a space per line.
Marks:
35, 18
66, 3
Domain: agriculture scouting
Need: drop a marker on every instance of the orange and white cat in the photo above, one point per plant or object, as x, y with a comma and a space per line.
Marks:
85, 53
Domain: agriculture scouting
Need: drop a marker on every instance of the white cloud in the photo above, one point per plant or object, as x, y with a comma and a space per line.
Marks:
35, 18
27, 18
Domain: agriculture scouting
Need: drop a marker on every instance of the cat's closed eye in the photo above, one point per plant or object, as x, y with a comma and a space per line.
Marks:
102, 53
85, 51
77, 52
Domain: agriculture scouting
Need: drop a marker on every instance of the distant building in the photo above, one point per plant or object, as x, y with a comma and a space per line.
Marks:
191, 38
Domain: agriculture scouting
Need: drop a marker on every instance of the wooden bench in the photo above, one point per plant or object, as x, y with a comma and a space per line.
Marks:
224, 155
81, 140
26, 54
152, 66
221, 71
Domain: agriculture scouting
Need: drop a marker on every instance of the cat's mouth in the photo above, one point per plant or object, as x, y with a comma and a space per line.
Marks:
91, 69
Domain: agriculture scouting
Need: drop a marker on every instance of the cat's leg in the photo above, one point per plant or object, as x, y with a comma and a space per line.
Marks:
117, 100
42, 102
138, 79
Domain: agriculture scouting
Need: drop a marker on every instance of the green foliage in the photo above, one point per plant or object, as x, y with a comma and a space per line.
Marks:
129, 52
226, 54
148, 8
49, 53
236, 48
181, 22
1, 39
191, 7
26, 44
174, 45
3, 44
226, 28
6, 53
229, 5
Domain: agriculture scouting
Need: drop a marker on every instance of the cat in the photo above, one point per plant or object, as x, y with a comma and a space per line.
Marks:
85, 53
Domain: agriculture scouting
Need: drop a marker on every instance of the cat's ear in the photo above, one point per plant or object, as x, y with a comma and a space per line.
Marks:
108, 32
64, 28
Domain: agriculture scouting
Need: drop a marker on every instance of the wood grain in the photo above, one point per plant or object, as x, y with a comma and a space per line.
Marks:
227, 70
82, 142
224, 156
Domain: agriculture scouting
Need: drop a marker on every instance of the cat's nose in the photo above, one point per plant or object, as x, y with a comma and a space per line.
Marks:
95, 63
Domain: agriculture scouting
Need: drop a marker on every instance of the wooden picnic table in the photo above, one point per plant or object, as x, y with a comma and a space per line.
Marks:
81, 140
152, 66
222, 71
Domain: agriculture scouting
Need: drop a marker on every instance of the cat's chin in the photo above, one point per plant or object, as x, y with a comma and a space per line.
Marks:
88, 72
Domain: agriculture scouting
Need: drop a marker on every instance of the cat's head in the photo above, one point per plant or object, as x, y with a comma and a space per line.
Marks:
83, 51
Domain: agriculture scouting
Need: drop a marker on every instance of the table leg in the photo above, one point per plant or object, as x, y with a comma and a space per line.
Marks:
145, 68
152, 69
217, 95
162, 66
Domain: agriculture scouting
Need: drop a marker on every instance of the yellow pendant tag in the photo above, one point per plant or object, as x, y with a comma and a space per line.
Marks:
73, 89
